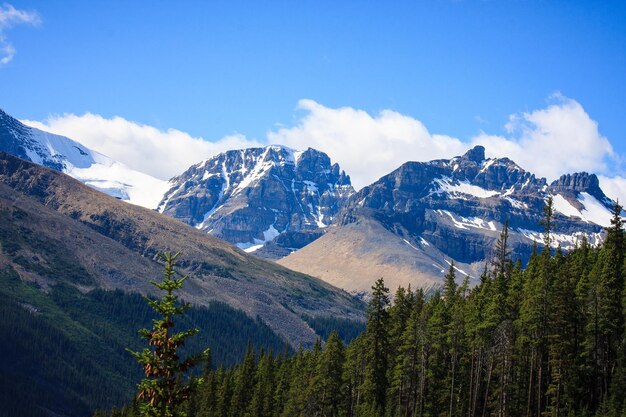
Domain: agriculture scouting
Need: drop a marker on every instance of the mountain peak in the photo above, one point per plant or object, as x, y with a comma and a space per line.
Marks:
580, 182
250, 196
476, 154
66, 155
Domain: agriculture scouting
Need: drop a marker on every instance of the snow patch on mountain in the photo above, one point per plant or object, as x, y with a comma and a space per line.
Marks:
594, 210
466, 223
564, 207
461, 188
565, 241
92, 168
268, 235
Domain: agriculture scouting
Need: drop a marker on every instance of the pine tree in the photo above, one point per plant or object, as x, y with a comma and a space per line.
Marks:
376, 351
547, 222
610, 299
501, 260
298, 385
561, 339
207, 400
224, 392
354, 375
243, 384
408, 372
282, 380
164, 391
262, 402
329, 379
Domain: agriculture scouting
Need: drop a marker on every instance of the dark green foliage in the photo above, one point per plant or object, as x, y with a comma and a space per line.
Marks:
376, 351
544, 341
167, 385
348, 330
65, 350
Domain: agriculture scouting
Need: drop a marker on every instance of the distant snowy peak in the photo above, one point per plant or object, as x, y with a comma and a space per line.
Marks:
485, 177
66, 155
250, 196
472, 176
475, 193
585, 207
579, 195
411, 224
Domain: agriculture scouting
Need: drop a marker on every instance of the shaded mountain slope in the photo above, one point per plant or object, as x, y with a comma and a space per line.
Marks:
124, 239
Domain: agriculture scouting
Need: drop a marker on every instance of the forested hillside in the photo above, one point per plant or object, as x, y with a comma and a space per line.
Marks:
546, 340
64, 352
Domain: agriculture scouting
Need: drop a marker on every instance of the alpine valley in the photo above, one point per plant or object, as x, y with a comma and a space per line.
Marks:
278, 246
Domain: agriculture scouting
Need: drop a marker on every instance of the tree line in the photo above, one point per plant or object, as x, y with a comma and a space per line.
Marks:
544, 340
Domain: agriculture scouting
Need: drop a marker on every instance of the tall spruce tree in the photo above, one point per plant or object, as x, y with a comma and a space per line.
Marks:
329, 378
243, 384
164, 390
610, 296
376, 352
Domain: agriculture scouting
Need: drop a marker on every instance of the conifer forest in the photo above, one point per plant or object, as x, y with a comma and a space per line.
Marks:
544, 340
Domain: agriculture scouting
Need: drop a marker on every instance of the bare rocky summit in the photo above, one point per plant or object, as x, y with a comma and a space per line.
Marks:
249, 197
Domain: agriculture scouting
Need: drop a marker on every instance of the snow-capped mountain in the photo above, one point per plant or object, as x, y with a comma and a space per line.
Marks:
409, 225
92, 168
250, 197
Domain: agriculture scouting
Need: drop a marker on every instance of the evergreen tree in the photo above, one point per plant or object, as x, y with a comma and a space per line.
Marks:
502, 259
207, 403
298, 385
262, 402
408, 371
329, 379
164, 391
224, 392
354, 376
610, 300
376, 351
243, 384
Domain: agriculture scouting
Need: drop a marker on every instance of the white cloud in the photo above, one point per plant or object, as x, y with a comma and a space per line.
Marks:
10, 17
561, 138
162, 154
550, 142
366, 147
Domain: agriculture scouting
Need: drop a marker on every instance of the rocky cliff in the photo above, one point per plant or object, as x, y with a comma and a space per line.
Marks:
250, 197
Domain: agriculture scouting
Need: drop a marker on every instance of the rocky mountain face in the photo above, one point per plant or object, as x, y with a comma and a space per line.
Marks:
436, 212
92, 168
255, 196
112, 245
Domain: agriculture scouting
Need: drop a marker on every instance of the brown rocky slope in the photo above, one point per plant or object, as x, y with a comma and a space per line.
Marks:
117, 243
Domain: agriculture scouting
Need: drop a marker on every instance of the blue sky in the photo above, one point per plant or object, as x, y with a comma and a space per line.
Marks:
239, 70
